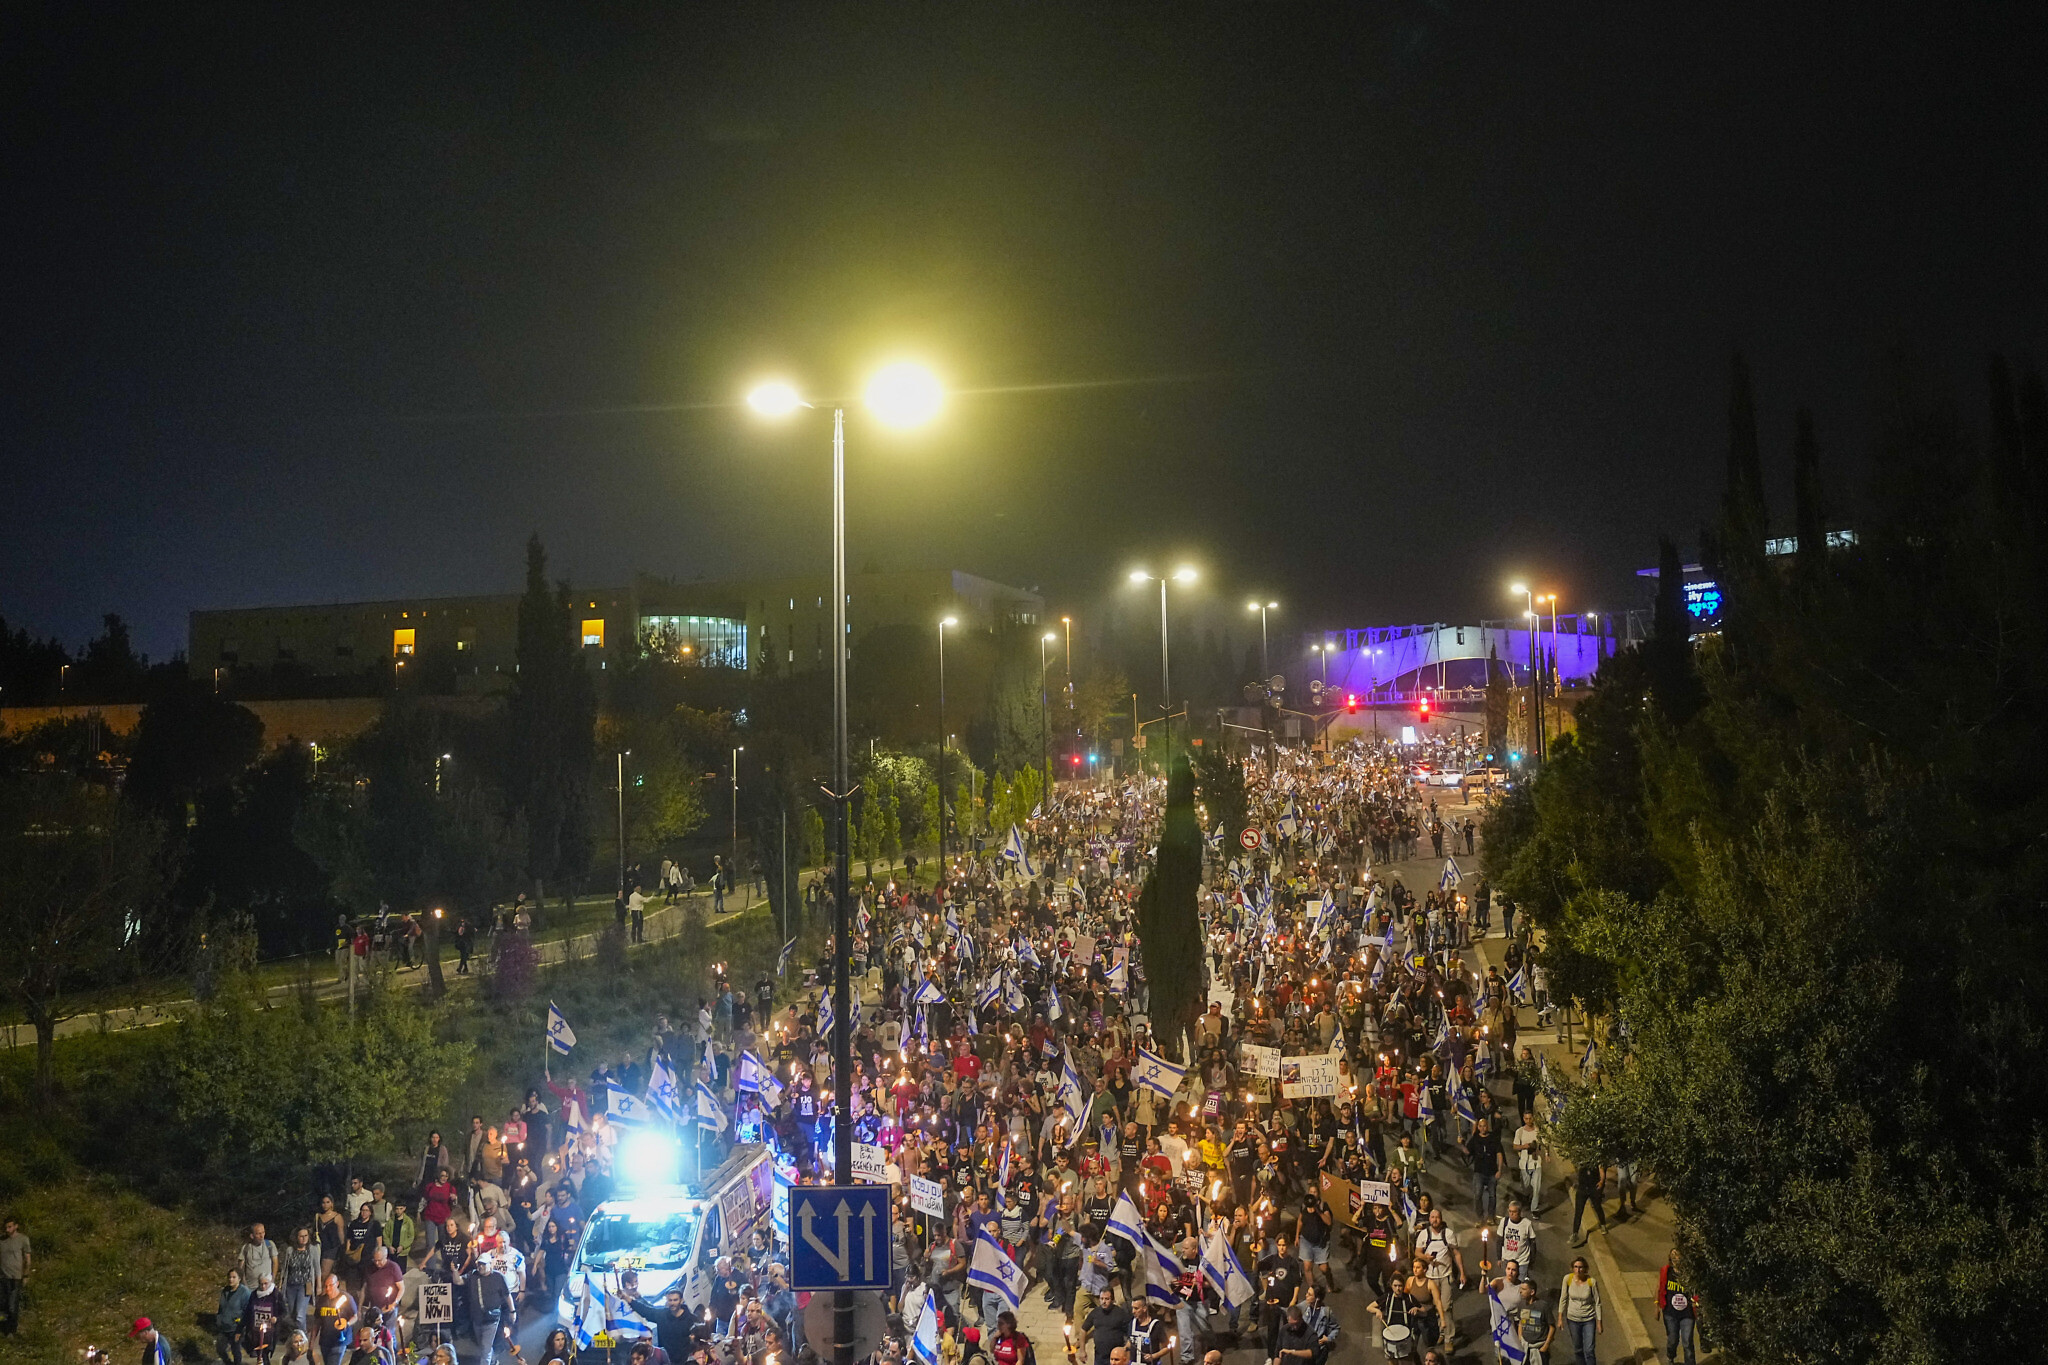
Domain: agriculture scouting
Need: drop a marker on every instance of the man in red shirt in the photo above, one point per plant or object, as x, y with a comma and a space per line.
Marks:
966, 1065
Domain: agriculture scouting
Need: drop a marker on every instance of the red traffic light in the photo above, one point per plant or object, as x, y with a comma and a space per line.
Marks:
1351, 702
1422, 708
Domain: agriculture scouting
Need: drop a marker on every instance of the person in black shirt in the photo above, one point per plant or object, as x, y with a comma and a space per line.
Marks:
1483, 1149
674, 1325
1109, 1322
1241, 1159
1279, 1287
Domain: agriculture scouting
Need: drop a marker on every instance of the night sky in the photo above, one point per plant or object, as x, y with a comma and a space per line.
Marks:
1378, 306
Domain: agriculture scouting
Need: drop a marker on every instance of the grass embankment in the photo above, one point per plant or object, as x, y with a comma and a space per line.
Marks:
129, 1214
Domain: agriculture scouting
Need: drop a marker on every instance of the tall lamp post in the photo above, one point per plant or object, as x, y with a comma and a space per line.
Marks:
900, 395
948, 621
1535, 686
1180, 575
1265, 668
734, 871
1044, 721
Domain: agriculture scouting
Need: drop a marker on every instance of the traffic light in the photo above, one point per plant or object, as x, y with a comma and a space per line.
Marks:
1422, 708
1351, 702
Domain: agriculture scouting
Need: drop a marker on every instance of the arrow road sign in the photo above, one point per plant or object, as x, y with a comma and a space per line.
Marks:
842, 1237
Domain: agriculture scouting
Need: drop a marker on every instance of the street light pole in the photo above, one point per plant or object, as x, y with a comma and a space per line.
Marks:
1535, 621
901, 395
947, 621
1183, 575
620, 756
1265, 665
1044, 721
738, 749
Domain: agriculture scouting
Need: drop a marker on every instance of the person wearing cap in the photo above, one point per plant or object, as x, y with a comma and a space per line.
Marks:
155, 1350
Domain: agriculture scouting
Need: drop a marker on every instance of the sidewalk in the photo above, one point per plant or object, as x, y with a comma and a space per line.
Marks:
664, 922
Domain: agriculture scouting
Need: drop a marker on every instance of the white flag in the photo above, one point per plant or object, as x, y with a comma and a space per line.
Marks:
560, 1036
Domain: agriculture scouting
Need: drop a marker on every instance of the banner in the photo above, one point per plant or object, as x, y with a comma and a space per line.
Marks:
927, 1196
870, 1163
1341, 1198
1261, 1061
1308, 1076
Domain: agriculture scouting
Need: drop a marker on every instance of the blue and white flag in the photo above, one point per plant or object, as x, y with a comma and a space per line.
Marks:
1053, 1010
1590, 1056
1013, 849
862, 919
1225, 1273
1003, 1170
750, 1073
1425, 1108
1126, 1222
560, 1036
1452, 878
1014, 999
591, 1312
991, 992
825, 1019
621, 1107
966, 948
1120, 977
662, 1096
928, 993
782, 958
1073, 1100
924, 1340
1027, 953
1158, 1075
1507, 1333
993, 1270
1163, 1270
710, 1113
572, 1121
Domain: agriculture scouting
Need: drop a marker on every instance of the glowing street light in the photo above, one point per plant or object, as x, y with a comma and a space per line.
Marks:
901, 394
1183, 574
1265, 669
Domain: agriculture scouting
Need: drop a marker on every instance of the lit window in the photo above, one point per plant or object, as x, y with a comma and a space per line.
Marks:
593, 631
402, 640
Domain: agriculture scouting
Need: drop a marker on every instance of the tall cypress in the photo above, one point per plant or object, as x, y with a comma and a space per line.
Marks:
1169, 921
553, 720
1744, 518
1668, 652
1810, 524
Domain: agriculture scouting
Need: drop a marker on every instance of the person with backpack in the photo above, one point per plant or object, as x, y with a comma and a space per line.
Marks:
1011, 1347
1680, 1309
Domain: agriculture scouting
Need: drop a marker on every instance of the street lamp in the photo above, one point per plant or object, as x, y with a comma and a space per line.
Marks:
1265, 669
734, 871
1550, 668
1183, 574
899, 395
948, 621
1044, 724
619, 757
1067, 623
1322, 652
1535, 689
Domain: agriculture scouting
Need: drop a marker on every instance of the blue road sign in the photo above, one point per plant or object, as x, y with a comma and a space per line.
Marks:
839, 1237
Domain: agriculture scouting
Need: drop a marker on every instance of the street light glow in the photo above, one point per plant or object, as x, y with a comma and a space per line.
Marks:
905, 394
1184, 575
775, 399
1518, 587
950, 621
1049, 637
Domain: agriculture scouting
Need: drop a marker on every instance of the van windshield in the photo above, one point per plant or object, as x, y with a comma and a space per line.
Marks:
623, 1239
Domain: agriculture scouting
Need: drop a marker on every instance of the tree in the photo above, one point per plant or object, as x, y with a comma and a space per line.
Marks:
307, 1083
189, 741
1101, 695
1169, 919
1219, 781
78, 871
552, 720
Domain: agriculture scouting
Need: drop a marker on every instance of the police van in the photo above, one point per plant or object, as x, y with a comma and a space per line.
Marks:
670, 1236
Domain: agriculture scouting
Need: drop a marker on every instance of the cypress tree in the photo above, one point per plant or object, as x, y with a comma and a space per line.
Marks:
1169, 923
1809, 524
1744, 519
553, 720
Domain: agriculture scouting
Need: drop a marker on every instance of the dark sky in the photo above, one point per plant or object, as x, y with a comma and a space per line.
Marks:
316, 303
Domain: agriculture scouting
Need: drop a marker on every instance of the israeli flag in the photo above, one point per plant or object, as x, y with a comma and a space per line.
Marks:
782, 958
1013, 849
1452, 878
1588, 1057
1119, 978
560, 1036
1126, 1222
591, 1312
661, 1089
1507, 1333
928, 993
863, 919
1073, 1100
1053, 1011
1158, 1075
924, 1342
825, 1019
751, 1073
1425, 1109
991, 992
993, 1270
1003, 1171
919, 1029
1225, 1273
572, 1121
967, 948
1163, 1270
710, 1114
1464, 1106
952, 921
1027, 953
621, 1107
1014, 999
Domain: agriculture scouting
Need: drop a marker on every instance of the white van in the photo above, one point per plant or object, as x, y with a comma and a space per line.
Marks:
672, 1235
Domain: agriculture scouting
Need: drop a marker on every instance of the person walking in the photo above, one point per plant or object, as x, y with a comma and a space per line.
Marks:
1578, 1308
14, 1267
1589, 1186
1680, 1309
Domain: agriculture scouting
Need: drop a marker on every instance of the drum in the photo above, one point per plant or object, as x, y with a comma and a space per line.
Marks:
1397, 1341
